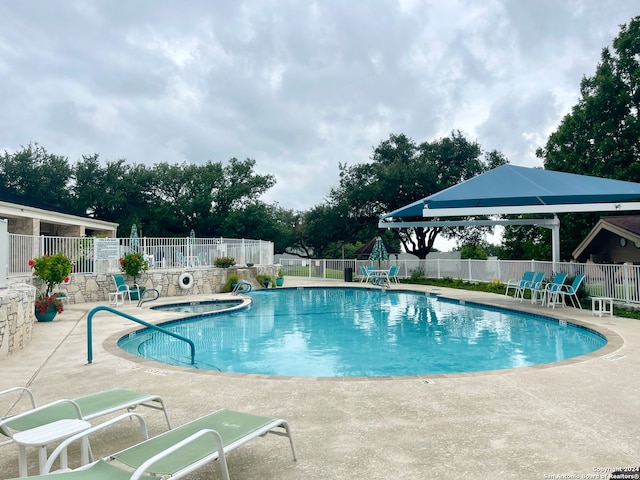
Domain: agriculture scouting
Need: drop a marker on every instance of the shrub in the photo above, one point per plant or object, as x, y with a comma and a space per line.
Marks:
224, 262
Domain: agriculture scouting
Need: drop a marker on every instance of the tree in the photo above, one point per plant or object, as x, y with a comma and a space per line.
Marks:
601, 135
37, 174
402, 172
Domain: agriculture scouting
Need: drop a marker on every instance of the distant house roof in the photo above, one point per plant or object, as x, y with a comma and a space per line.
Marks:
626, 226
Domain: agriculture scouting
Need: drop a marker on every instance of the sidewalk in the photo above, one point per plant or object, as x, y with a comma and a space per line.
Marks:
567, 419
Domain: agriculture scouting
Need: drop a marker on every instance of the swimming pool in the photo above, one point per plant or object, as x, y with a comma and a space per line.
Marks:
350, 332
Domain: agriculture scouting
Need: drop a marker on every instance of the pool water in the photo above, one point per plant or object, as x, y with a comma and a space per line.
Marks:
347, 332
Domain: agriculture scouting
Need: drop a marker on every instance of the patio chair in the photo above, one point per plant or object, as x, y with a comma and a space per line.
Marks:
57, 414
532, 286
178, 452
124, 289
517, 285
548, 292
89, 407
393, 274
364, 274
570, 291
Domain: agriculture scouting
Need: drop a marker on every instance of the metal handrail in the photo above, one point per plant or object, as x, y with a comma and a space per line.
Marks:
241, 286
134, 319
145, 300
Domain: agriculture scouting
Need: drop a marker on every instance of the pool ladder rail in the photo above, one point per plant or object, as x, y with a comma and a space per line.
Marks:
142, 299
150, 326
241, 286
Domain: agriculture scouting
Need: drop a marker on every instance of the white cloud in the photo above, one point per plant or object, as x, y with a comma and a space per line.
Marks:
298, 86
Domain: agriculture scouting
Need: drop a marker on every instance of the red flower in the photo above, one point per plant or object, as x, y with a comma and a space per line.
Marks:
31, 263
66, 280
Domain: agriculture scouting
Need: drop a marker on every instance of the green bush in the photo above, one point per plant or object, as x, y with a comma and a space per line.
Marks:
231, 281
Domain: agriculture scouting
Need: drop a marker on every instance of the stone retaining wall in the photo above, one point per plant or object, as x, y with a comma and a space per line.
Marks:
16, 318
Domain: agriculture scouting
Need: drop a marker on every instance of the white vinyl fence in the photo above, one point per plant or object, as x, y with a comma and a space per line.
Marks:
93, 255
620, 282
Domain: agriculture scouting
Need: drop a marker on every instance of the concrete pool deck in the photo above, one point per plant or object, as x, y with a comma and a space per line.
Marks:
577, 418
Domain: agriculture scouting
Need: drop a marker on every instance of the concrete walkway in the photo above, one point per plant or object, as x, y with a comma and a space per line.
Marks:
579, 417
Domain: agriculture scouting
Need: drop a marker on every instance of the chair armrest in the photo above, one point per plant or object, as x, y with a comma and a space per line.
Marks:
21, 389
122, 288
4, 423
85, 434
140, 471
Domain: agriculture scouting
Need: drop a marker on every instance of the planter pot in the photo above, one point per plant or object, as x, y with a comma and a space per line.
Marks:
265, 284
279, 282
135, 295
47, 316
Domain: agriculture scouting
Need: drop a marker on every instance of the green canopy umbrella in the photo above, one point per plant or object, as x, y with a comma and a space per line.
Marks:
190, 244
379, 251
135, 241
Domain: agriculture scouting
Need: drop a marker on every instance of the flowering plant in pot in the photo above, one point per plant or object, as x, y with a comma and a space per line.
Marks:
51, 270
133, 264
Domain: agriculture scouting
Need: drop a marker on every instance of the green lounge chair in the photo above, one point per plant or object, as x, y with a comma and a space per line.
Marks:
84, 408
178, 452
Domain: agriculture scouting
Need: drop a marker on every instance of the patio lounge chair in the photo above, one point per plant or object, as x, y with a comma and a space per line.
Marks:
178, 452
86, 408
571, 291
518, 285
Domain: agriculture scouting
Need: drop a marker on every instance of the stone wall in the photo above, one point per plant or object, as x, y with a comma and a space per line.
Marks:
84, 288
16, 318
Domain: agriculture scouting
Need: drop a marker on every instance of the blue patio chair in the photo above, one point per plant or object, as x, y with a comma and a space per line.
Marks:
570, 291
535, 284
126, 290
364, 274
517, 285
549, 292
393, 274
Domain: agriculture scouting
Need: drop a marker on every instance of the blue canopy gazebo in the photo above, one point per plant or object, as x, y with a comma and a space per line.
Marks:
512, 190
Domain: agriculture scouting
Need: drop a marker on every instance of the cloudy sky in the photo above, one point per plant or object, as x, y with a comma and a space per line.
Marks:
299, 86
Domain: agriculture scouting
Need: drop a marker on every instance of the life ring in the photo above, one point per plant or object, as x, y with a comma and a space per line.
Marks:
186, 281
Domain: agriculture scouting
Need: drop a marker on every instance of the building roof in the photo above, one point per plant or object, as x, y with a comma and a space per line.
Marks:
511, 189
627, 226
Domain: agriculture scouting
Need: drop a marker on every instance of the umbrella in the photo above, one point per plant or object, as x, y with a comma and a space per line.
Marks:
367, 248
191, 242
135, 241
379, 251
